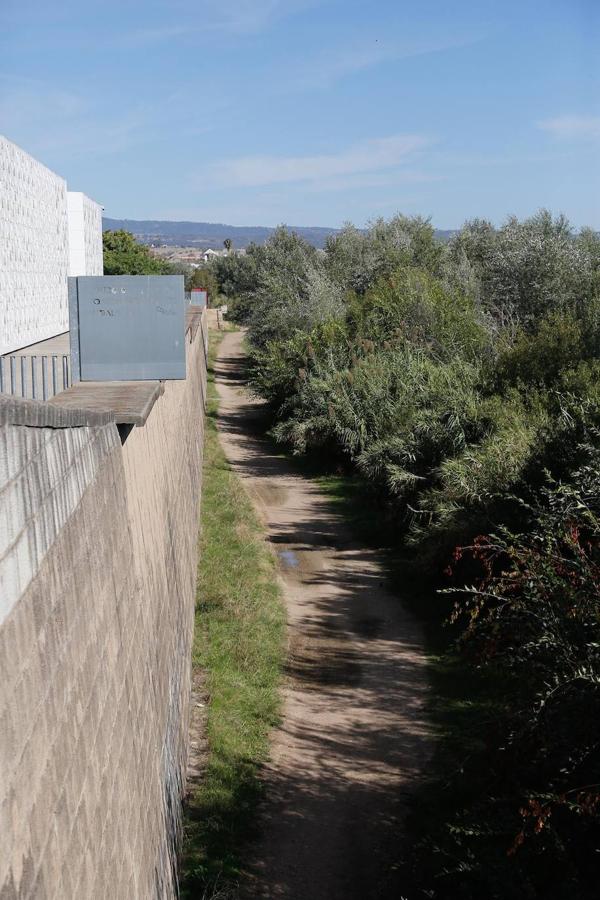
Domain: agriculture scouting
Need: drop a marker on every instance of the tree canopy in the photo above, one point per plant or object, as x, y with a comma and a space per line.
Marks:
123, 255
459, 383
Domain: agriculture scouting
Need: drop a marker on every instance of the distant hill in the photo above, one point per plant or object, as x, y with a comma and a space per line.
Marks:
208, 234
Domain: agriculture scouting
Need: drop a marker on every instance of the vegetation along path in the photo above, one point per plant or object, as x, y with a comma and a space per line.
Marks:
353, 738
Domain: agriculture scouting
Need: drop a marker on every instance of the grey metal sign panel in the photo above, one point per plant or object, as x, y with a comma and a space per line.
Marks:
130, 327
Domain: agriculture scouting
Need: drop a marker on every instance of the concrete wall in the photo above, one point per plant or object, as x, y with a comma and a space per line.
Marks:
85, 235
98, 561
33, 250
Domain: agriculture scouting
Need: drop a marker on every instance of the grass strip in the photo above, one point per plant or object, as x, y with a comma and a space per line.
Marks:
239, 646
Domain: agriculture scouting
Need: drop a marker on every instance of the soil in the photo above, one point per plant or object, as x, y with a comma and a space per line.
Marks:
354, 740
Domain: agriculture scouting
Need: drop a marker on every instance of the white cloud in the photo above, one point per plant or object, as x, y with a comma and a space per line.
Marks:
94, 137
326, 69
204, 18
26, 101
572, 127
367, 156
370, 180
46, 120
255, 15
146, 37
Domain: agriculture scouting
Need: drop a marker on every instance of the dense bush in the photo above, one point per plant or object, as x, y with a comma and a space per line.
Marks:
356, 260
527, 269
532, 620
444, 374
462, 383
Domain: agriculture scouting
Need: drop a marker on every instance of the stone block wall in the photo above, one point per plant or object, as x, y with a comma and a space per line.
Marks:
98, 555
33, 250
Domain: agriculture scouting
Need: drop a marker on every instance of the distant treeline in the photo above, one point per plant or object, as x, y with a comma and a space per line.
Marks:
460, 382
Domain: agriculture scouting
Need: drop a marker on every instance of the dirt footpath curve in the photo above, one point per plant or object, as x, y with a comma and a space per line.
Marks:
353, 740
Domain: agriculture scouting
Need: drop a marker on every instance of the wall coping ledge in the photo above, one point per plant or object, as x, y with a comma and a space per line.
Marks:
37, 414
128, 402
193, 320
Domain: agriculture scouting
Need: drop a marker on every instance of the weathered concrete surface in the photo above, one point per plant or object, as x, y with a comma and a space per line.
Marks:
98, 556
131, 402
36, 414
58, 345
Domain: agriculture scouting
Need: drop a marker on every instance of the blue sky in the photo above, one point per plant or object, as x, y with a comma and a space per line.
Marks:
310, 112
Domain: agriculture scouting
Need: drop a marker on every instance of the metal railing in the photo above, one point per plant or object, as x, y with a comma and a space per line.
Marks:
35, 377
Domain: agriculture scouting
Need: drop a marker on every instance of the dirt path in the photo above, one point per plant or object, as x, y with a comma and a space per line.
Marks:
353, 737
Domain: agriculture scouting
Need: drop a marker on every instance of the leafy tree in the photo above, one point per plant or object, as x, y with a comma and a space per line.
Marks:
461, 383
123, 255
203, 277
236, 277
280, 297
529, 268
357, 260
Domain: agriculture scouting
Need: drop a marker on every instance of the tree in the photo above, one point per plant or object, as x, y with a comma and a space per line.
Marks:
203, 277
529, 267
358, 259
228, 244
123, 255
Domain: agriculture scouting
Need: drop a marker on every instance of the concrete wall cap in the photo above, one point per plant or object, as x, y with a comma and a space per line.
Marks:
130, 402
37, 414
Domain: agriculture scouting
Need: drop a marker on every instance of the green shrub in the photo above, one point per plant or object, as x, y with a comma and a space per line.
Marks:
529, 268
540, 358
532, 620
461, 383
357, 260
414, 307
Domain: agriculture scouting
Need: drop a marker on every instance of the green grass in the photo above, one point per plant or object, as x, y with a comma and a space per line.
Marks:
239, 645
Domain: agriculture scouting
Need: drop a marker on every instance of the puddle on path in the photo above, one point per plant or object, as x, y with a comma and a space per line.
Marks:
288, 558
269, 492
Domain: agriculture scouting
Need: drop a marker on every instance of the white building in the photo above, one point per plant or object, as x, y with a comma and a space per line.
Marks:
211, 254
44, 237
85, 235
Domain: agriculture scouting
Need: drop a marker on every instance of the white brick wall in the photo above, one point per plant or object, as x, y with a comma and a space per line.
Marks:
85, 235
33, 250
